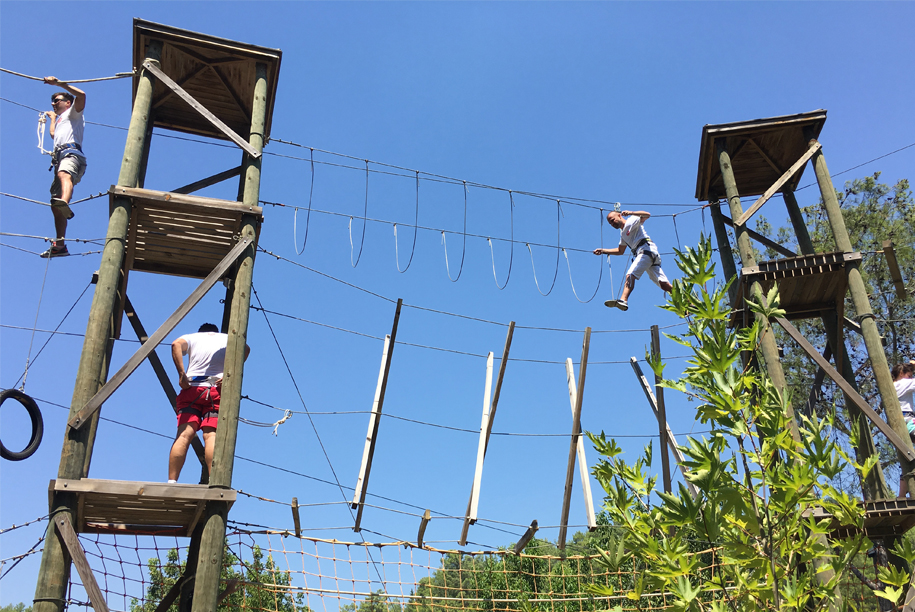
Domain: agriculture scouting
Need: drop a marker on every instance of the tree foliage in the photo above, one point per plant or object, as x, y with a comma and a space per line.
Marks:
760, 490
254, 584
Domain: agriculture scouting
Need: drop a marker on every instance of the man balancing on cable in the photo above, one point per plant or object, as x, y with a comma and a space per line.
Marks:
647, 258
198, 402
67, 159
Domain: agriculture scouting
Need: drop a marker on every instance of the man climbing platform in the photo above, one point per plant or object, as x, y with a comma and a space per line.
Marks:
645, 253
68, 162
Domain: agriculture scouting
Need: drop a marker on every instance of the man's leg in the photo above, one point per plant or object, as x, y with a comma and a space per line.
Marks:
61, 214
209, 441
178, 454
628, 286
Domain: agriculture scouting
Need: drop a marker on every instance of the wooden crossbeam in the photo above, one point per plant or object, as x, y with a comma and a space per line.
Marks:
68, 535
895, 273
200, 108
295, 517
161, 374
527, 537
81, 417
761, 239
771, 191
582, 460
576, 435
849, 391
423, 523
671, 440
210, 180
365, 469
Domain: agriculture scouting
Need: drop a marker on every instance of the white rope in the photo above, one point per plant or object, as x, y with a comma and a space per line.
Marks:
42, 119
281, 421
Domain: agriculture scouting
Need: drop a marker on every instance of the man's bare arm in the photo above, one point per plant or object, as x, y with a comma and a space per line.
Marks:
179, 349
636, 213
79, 102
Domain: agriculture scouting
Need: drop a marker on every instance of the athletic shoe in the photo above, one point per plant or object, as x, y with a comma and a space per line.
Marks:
622, 305
62, 204
56, 251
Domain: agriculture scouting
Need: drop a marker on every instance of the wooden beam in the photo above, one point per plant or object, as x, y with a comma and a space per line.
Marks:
662, 411
849, 391
761, 239
167, 94
527, 537
211, 180
582, 460
817, 383
197, 106
368, 453
765, 156
161, 374
231, 587
576, 434
423, 523
671, 440
295, 517
473, 503
65, 527
895, 273
771, 191
80, 418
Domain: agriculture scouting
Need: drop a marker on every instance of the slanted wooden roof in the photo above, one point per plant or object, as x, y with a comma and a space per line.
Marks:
217, 72
761, 151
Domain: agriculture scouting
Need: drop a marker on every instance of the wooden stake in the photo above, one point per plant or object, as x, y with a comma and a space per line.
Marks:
473, 503
771, 191
580, 451
527, 537
576, 434
895, 273
295, 517
368, 453
65, 527
423, 523
662, 411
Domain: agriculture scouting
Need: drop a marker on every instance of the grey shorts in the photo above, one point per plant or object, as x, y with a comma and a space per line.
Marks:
74, 165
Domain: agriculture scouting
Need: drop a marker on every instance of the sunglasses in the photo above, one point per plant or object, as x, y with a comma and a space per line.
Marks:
58, 100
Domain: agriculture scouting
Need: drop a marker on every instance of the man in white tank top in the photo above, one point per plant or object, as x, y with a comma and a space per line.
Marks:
198, 402
645, 252
69, 163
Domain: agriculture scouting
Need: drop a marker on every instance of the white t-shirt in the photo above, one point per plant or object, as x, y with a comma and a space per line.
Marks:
632, 232
905, 391
69, 128
206, 354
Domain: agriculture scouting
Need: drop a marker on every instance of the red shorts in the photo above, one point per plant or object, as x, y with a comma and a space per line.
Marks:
198, 406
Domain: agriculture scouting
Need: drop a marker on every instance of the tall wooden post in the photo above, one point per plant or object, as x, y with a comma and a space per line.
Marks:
206, 586
54, 571
724, 251
662, 411
769, 349
875, 486
863, 309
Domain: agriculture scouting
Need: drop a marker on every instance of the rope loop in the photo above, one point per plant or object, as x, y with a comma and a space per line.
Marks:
556, 272
600, 275
464, 248
295, 216
415, 228
511, 207
365, 221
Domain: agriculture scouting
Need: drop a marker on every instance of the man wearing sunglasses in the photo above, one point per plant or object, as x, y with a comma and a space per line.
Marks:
68, 161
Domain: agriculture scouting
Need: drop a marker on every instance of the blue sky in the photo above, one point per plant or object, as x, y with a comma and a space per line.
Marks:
594, 101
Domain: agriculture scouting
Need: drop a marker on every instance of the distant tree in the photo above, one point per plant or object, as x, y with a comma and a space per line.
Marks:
377, 601
19, 607
255, 590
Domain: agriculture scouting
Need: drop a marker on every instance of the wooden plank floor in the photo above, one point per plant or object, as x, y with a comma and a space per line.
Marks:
106, 506
890, 517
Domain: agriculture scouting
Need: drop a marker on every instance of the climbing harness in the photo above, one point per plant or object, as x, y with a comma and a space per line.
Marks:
415, 227
558, 248
295, 215
511, 204
464, 249
37, 425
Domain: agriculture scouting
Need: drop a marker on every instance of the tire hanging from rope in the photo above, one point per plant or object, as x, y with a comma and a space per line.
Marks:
295, 216
558, 248
415, 228
37, 425
464, 249
511, 204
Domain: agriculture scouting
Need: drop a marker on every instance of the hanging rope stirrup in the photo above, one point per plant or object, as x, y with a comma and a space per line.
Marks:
37, 425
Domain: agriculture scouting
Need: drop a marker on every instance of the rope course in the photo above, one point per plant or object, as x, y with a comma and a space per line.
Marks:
119, 75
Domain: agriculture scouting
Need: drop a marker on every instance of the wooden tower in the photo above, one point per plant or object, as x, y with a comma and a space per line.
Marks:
762, 158
211, 87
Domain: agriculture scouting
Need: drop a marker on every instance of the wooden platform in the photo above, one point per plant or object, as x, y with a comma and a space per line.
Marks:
181, 235
890, 517
219, 73
807, 284
761, 151
117, 506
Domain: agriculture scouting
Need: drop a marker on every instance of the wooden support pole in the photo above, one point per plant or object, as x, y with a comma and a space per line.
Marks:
526, 538
368, 453
671, 440
771, 191
576, 435
582, 459
212, 541
423, 523
865, 314
781, 250
211, 180
767, 342
295, 517
875, 486
79, 419
54, 571
470, 516
889, 252
724, 251
662, 411
65, 527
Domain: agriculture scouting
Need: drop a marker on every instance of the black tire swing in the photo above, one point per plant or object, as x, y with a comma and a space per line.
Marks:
37, 425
